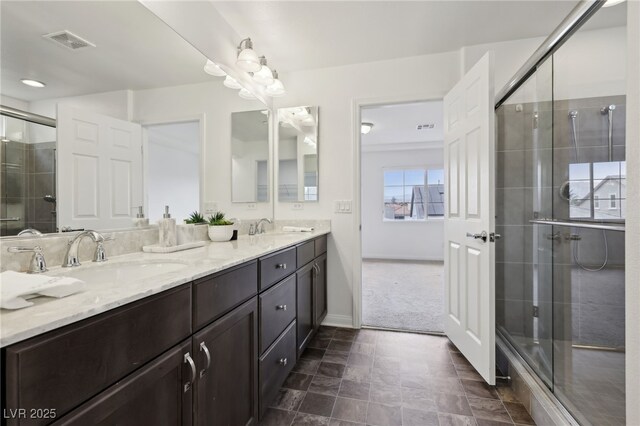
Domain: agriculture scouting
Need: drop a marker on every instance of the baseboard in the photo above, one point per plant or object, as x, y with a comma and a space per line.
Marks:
411, 258
335, 320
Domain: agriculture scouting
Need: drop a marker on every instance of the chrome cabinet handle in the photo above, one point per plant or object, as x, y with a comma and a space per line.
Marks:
203, 348
281, 308
282, 361
192, 366
481, 236
281, 266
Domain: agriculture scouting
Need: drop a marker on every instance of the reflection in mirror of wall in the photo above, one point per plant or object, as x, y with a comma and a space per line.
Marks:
89, 171
250, 156
298, 154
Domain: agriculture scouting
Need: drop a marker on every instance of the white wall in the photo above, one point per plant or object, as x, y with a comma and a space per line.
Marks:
216, 102
397, 240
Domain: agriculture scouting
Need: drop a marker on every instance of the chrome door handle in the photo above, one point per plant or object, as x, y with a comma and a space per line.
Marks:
204, 349
192, 366
481, 236
281, 308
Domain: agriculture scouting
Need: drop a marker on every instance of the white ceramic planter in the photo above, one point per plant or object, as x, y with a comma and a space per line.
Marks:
220, 232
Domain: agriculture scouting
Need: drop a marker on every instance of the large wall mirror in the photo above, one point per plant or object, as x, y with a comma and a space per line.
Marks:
298, 154
250, 156
120, 114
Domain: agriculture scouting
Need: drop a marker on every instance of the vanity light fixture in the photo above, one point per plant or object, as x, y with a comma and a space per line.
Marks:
275, 89
365, 128
245, 94
248, 59
231, 83
32, 83
264, 76
213, 69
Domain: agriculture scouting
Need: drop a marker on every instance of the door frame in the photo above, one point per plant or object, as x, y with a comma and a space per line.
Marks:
356, 105
196, 118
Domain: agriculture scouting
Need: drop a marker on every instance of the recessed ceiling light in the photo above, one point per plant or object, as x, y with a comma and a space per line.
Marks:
32, 83
365, 128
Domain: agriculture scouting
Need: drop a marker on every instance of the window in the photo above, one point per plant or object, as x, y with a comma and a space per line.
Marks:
596, 202
413, 194
612, 201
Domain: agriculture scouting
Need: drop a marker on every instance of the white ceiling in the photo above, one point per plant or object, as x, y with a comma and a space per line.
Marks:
249, 126
134, 49
297, 35
396, 124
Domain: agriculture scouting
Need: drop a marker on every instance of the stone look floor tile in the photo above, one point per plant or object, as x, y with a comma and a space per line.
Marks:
352, 378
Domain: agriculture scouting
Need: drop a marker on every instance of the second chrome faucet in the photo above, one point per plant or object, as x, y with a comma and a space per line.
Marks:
71, 257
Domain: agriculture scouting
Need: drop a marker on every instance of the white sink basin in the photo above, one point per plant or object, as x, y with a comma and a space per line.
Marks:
109, 272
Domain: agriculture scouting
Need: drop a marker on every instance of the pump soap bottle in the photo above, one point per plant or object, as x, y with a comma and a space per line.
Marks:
140, 221
167, 225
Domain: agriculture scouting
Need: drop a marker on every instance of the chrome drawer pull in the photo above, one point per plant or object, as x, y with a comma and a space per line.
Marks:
192, 366
283, 361
204, 349
281, 266
281, 308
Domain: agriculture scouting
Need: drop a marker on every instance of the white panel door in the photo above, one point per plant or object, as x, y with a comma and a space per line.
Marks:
469, 149
99, 170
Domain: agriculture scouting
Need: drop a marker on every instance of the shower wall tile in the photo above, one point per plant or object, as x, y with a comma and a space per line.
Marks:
601, 325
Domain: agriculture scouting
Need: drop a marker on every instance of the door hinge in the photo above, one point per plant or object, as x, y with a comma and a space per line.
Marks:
536, 312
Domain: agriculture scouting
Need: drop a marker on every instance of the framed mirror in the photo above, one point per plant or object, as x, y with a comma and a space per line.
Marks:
250, 164
115, 120
298, 154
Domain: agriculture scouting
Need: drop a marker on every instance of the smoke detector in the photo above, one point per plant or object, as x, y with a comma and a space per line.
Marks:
68, 40
425, 126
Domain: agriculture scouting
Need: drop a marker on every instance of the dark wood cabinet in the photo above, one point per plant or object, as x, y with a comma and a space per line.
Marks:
304, 305
277, 310
226, 391
320, 290
158, 394
275, 366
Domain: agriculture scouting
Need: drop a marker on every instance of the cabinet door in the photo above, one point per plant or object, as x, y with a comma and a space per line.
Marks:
320, 290
305, 319
158, 394
226, 392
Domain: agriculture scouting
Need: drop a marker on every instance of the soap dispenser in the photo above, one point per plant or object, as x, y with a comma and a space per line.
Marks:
167, 225
140, 221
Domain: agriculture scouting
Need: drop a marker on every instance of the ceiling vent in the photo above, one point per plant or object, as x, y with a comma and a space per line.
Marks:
68, 40
425, 126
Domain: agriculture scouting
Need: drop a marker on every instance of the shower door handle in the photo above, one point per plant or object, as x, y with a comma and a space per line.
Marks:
481, 236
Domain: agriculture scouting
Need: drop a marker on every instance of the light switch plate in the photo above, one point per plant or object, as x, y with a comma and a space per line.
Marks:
252, 206
342, 206
297, 206
210, 207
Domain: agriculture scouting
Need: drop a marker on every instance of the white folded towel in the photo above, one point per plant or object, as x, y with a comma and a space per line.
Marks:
297, 229
15, 286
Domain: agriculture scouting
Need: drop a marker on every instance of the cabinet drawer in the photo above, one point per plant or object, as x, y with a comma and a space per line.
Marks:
321, 245
277, 310
275, 366
154, 395
66, 367
275, 267
216, 295
305, 252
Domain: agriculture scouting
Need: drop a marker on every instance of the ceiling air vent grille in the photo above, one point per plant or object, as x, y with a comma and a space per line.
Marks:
69, 40
425, 126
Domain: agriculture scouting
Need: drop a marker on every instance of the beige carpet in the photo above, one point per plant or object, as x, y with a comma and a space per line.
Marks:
403, 295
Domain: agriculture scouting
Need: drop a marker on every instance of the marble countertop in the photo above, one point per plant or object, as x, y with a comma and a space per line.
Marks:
99, 296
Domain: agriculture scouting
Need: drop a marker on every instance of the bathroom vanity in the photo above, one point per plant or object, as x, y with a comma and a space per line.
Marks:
209, 344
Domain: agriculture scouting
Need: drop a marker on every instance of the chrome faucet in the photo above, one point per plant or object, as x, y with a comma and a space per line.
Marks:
38, 264
71, 258
30, 231
260, 225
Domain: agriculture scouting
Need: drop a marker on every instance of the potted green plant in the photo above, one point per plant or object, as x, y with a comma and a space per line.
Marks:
220, 229
195, 218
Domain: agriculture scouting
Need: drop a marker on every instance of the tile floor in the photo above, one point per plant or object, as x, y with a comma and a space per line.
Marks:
354, 377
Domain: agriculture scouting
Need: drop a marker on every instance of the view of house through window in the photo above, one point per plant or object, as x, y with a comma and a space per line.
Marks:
413, 194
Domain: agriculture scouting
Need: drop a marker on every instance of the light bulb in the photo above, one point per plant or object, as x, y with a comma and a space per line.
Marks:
212, 68
275, 89
264, 76
365, 128
248, 59
231, 83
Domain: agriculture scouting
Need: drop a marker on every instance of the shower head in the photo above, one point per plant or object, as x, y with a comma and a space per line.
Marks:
49, 199
573, 113
607, 109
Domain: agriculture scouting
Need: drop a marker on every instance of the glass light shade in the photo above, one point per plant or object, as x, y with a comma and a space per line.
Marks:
264, 76
365, 128
231, 83
245, 94
248, 61
275, 89
32, 83
212, 68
